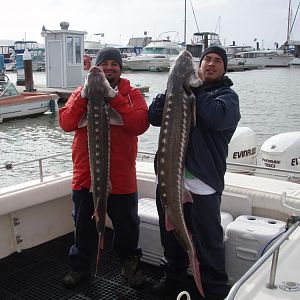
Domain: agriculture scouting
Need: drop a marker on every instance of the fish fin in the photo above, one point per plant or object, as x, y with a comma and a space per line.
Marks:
169, 226
194, 118
98, 254
83, 121
196, 271
102, 243
114, 117
109, 187
186, 196
96, 217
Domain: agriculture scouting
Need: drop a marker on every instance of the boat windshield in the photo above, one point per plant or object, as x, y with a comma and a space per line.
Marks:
160, 51
7, 89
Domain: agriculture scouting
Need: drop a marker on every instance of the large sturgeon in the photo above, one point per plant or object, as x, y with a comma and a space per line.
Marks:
98, 129
178, 113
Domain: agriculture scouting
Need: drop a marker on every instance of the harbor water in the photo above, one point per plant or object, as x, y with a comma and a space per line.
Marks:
269, 104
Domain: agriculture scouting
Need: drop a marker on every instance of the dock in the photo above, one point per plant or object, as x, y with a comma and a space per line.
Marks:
65, 93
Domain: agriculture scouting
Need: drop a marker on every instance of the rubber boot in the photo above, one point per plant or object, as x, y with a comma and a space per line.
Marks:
135, 278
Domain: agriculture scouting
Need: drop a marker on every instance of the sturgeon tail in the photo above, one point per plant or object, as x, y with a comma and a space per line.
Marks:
196, 271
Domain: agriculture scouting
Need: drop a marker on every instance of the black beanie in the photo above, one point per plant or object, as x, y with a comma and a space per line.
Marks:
218, 50
108, 53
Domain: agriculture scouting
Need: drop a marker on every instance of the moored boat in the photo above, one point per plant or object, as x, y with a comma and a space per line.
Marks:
16, 105
155, 56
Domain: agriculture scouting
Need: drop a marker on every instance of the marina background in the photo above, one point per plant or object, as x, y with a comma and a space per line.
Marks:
268, 102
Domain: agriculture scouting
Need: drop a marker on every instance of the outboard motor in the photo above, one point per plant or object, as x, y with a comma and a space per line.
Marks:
282, 151
242, 150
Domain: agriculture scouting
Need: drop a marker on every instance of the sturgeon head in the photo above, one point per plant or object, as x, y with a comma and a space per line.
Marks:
178, 112
98, 130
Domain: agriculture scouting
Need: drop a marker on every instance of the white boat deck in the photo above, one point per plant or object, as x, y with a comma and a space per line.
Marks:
49, 205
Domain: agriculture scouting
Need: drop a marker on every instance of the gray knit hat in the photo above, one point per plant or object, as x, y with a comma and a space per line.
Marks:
218, 50
109, 53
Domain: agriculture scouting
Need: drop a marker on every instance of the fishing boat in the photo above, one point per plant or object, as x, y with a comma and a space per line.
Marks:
37, 52
260, 218
16, 105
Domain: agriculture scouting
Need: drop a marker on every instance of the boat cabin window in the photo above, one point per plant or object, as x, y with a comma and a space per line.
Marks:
160, 51
174, 51
20, 46
7, 89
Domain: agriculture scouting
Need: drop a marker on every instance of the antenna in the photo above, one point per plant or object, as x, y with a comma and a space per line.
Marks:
289, 22
194, 16
292, 26
218, 26
184, 34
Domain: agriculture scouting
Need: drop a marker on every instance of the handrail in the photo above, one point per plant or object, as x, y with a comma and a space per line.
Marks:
273, 250
144, 155
290, 174
10, 165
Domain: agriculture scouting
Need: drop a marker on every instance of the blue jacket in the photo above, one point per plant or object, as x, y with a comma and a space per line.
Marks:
217, 116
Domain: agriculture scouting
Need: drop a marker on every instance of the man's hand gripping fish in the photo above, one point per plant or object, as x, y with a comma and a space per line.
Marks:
178, 114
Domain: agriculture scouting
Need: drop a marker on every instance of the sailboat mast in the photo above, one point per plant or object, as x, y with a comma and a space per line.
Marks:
184, 34
289, 22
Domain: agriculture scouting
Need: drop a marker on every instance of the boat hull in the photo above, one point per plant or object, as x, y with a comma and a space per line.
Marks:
148, 64
25, 104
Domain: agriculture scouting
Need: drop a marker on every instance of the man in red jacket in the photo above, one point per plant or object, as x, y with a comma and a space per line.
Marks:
122, 205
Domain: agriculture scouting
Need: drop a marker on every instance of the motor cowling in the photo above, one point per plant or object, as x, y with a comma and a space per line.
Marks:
281, 151
242, 150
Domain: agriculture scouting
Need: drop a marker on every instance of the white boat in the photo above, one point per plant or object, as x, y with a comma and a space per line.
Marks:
295, 62
254, 208
16, 105
199, 42
265, 58
278, 57
37, 52
202, 40
231, 51
155, 56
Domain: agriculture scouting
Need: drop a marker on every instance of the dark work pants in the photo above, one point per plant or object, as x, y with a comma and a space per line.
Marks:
122, 209
123, 212
85, 233
204, 222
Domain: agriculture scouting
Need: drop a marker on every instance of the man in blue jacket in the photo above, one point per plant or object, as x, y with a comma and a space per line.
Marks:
217, 115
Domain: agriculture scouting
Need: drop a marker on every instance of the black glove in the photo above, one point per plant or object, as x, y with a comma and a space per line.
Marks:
159, 102
156, 108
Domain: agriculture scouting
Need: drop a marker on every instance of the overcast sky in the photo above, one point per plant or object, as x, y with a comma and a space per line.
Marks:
235, 20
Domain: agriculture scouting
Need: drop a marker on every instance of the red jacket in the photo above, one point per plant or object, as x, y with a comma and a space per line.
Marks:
131, 105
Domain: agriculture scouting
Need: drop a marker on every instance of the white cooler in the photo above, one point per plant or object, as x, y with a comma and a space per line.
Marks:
149, 230
245, 240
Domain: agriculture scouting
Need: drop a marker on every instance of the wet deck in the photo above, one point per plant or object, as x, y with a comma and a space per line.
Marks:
37, 274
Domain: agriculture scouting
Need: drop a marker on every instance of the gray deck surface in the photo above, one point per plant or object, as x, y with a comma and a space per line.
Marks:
37, 273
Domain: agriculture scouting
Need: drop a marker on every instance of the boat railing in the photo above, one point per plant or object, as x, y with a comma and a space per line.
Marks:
64, 161
66, 158
292, 225
285, 174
